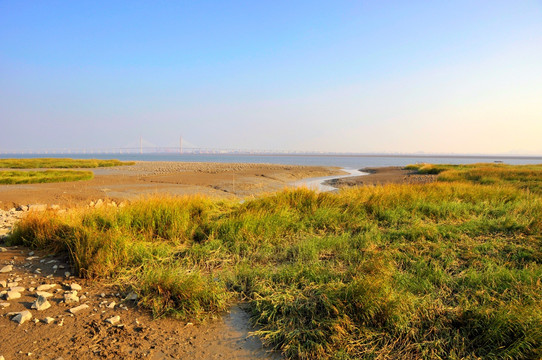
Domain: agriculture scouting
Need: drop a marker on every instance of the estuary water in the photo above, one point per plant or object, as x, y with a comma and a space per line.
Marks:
342, 161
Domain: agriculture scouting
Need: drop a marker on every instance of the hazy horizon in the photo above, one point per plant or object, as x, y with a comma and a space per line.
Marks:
348, 77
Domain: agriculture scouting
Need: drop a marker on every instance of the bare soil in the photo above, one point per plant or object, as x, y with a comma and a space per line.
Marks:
173, 178
383, 176
86, 334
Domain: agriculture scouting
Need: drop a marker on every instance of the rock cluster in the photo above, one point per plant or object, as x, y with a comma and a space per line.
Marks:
8, 218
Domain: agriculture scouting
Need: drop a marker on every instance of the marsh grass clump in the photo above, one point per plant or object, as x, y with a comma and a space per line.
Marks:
48, 176
59, 163
451, 269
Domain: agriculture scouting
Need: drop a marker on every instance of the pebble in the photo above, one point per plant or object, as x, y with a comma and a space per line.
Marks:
41, 303
131, 296
4, 304
3, 283
22, 317
45, 287
6, 269
10, 295
48, 320
76, 309
71, 297
67, 274
113, 320
17, 288
45, 294
75, 286
112, 305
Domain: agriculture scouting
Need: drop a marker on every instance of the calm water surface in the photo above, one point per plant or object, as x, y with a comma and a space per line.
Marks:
343, 161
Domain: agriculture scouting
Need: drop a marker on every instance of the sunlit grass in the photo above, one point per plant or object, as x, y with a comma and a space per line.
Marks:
48, 176
60, 163
451, 269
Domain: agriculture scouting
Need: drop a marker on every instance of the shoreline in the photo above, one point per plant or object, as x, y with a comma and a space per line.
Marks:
382, 176
147, 178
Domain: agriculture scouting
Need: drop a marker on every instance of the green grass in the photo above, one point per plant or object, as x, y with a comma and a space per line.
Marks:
448, 270
48, 176
54, 163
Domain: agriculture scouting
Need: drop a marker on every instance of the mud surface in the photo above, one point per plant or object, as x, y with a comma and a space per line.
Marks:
173, 178
87, 335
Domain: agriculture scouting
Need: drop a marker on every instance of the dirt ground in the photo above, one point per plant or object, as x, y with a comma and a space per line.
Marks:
86, 334
382, 176
175, 178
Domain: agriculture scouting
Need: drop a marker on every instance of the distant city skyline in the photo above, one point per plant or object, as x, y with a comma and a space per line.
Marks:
462, 77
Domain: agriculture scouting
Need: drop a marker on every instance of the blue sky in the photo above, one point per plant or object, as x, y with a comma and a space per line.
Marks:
352, 76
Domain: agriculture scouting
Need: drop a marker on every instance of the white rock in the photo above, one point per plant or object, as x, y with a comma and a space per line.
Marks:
3, 249
71, 297
41, 303
6, 269
48, 320
11, 295
17, 288
113, 320
3, 283
37, 207
22, 317
131, 296
76, 309
45, 294
31, 253
112, 305
75, 286
45, 287
4, 305
67, 274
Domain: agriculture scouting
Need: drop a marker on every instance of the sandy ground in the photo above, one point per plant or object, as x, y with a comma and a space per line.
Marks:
86, 334
174, 178
382, 176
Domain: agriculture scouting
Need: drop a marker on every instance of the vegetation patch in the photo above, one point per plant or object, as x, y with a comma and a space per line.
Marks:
54, 163
451, 269
48, 176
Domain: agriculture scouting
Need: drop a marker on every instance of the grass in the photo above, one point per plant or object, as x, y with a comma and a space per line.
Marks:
48, 176
54, 163
451, 269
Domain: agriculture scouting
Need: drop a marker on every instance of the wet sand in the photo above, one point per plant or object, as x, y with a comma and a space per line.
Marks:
383, 176
172, 178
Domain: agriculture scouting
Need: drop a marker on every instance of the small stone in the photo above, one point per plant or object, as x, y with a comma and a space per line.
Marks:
76, 309
61, 322
31, 253
112, 305
37, 207
71, 297
22, 317
3, 249
48, 320
67, 274
82, 297
13, 284
131, 297
4, 305
3, 283
10, 295
61, 266
41, 303
6, 269
45, 294
17, 288
75, 286
45, 287
113, 320
55, 267
102, 295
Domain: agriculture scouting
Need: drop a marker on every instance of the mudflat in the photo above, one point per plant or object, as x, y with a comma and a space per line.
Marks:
383, 176
172, 178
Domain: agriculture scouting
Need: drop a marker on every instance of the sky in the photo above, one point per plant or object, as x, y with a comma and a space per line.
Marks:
461, 77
